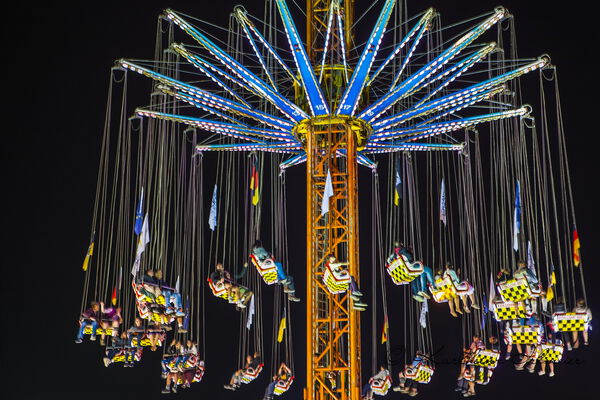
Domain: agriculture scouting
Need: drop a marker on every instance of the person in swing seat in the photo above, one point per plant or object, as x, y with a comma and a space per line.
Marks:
287, 281
582, 308
91, 316
463, 288
284, 374
378, 378
341, 268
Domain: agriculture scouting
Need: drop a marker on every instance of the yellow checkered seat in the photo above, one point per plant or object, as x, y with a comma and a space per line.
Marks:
570, 322
218, 289
422, 373
443, 290
381, 386
336, 281
517, 290
525, 334
403, 272
508, 310
145, 340
549, 352
485, 358
282, 386
267, 269
99, 331
251, 374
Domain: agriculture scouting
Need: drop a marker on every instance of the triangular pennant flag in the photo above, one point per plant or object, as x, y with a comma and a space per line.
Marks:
212, 217
397, 183
517, 217
250, 313
327, 193
139, 214
177, 284
423, 316
113, 298
282, 325
384, 331
443, 203
549, 293
492, 292
576, 246
143, 240
552, 275
88, 255
254, 183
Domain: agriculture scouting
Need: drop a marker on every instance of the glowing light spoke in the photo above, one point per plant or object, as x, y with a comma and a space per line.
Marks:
414, 133
316, 101
409, 55
425, 19
327, 35
268, 147
407, 87
357, 81
288, 108
290, 162
234, 130
377, 148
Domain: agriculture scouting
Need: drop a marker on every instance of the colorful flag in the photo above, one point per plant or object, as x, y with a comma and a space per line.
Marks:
113, 298
212, 217
552, 275
398, 183
281, 328
250, 313
384, 331
254, 183
549, 293
443, 203
139, 215
88, 255
517, 217
423, 316
576, 246
530, 260
327, 193
143, 240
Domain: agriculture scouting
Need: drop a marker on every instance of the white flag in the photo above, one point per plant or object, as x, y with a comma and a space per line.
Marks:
530, 260
423, 316
212, 217
327, 193
492, 293
143, 240
250, 313
517, 217
177, 284
443, 203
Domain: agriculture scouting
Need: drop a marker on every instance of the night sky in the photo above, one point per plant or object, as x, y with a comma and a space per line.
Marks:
57, 62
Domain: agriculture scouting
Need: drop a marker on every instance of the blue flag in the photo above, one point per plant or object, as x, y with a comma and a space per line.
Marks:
443, 203
212, 218
397, 183
517, 217
139, 215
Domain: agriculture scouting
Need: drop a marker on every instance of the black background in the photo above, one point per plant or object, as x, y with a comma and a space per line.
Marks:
57, 58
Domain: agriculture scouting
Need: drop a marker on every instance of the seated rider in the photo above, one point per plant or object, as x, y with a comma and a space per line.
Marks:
282, 278
173, 302
243, 294
341, 268
463, 288
252, 363
408, 385
367, 392
118, 344
91, 316
111, 318
582, 308
283, 375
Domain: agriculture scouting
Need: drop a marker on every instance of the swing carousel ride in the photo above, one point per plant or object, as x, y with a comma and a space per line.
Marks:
475, 209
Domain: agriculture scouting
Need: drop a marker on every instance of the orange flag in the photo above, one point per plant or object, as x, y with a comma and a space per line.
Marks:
576, 246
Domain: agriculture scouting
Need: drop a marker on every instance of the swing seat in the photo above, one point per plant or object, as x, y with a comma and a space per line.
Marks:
403, 272
525, 334
282, 386
140, 296
485, 358
267, 269
508, 310
549, 352
443, 290
336, 282
108, 331
219, 290
481, 378
570, 322
422, 373
199, 372
145, 342
120, 356
516, 290
251, 374
381, 386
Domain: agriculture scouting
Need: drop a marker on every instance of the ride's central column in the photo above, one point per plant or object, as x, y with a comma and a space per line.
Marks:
333, 328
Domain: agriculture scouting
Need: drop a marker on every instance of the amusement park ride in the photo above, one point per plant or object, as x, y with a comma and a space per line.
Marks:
335, 105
